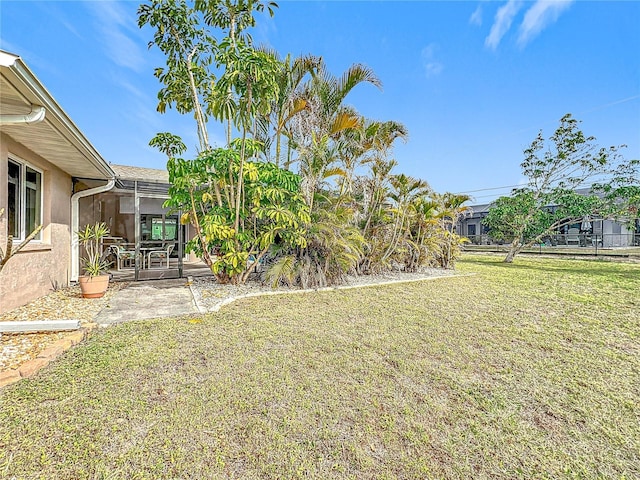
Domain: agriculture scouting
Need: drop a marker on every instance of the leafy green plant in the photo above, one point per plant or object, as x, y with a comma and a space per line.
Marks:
231, 241
553, 171
90, 236
333, 249
316, 225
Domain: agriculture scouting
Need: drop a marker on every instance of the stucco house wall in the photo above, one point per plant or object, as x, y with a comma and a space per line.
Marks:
50, 151
43, 264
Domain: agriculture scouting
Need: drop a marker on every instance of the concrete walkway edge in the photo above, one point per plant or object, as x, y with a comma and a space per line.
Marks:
229, 300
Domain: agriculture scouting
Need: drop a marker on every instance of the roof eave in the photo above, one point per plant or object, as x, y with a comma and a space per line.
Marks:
70, 130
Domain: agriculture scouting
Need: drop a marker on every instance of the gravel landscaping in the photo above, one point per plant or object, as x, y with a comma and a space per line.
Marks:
210, 296
63, 304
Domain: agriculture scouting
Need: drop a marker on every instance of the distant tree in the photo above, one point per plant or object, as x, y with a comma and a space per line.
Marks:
554, 172
622, 192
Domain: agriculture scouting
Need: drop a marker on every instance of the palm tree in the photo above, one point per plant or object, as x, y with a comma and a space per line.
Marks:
334, 248
405, 190
290, 101
451, 208
320, 164
360, 145
324, 117
424, 231
375, 190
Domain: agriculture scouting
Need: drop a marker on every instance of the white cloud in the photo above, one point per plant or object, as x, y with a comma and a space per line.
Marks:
122, 81
433, 68
502, 23
115, 25
476, 16
52, 10
431, 64
141, 105
539, 16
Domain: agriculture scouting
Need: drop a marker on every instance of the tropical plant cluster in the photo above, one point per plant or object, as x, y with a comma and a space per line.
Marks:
304, 184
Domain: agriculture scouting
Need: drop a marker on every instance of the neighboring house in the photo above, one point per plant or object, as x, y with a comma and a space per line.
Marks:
607, 233
42, 152
471, 226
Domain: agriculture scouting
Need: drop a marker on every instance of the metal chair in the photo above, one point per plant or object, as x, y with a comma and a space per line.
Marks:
124, 258
160, 255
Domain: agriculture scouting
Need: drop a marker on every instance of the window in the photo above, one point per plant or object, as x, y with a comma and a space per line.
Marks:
471, 229
25, 200
164, 228
159, 227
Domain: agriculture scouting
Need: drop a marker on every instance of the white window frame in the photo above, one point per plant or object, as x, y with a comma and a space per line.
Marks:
22, 191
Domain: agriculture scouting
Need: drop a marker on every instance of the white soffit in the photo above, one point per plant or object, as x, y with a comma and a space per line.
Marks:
56, 139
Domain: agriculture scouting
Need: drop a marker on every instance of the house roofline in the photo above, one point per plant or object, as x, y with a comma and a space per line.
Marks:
70, 130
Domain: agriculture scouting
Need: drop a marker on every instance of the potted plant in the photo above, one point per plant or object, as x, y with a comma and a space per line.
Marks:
95, 281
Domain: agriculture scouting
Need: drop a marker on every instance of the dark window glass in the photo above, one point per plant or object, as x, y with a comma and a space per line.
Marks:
24, 195
33, 196
14, 199
471, 229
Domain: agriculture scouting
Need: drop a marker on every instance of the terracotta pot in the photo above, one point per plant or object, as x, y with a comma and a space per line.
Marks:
93, 287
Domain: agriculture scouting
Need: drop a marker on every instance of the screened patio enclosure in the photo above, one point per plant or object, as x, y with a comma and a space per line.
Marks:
146, 240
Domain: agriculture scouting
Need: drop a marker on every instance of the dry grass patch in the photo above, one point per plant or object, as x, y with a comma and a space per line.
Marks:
527, 370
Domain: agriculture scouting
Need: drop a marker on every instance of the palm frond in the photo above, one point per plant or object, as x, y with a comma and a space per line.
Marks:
355, 75
344, 120
282, 271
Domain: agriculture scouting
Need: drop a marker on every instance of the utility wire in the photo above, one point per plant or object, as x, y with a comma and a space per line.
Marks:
475, 198
521, 130
487, 189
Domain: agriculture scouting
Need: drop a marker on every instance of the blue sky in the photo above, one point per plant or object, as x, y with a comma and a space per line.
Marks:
472, 81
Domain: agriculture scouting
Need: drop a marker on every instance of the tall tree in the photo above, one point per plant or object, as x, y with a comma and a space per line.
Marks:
233, 16
272, 211
405, 190
250, 75
554, 170
325, 116
291, 100
189, 52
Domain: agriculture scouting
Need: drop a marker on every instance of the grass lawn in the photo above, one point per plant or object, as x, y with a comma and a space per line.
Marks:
562, 250
528, 370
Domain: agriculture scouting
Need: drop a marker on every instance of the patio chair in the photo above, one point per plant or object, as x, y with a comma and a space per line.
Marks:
159, 255
573, 236
124, 258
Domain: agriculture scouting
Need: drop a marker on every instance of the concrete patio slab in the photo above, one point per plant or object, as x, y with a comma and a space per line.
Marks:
146, 300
